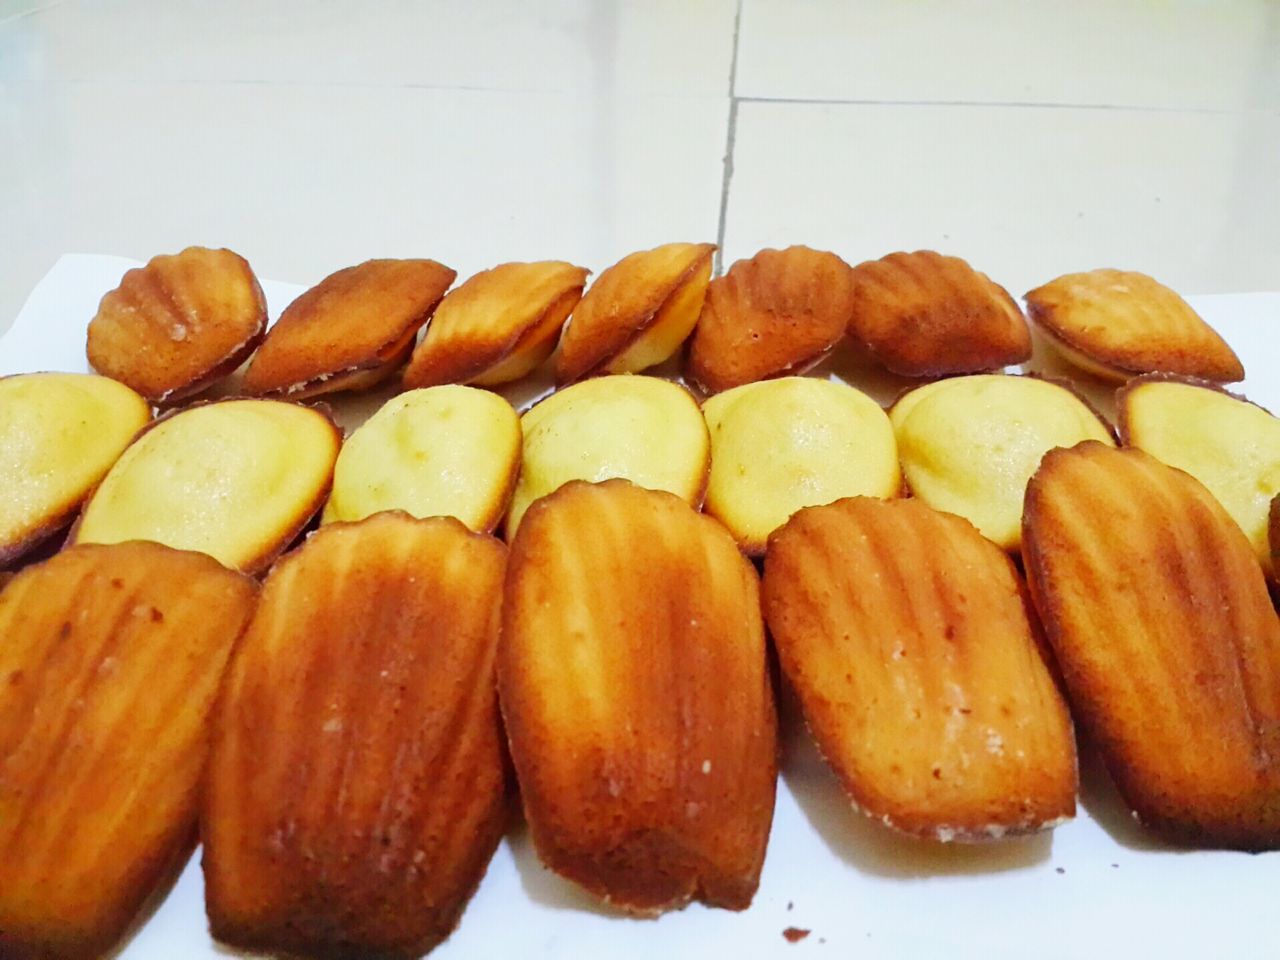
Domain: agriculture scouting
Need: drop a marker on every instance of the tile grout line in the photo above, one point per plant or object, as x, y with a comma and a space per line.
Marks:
1136, 108
731, 135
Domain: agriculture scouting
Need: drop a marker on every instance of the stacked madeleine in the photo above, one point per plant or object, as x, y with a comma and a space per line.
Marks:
952, 584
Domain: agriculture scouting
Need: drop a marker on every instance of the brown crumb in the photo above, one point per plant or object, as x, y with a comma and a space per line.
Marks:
790, 904
794, 934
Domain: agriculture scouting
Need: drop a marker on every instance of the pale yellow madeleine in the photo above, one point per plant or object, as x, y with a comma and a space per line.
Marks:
780, 445
969, 445
59, 434
643, 429
447, 451
1228, 444
235, 479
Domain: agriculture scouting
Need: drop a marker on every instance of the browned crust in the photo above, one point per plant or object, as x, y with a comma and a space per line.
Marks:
582, 354
449, 355
385, 867
778, 313
958, 596
364, 376
1186, 619
260, 563
1122, 396
11, 553
318, 339
220, 372
642, 845
115, 654
219, 367
1177, 358
923, 314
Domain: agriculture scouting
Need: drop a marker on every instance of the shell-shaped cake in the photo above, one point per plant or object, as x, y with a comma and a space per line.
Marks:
361, 825
178, 324
636, 692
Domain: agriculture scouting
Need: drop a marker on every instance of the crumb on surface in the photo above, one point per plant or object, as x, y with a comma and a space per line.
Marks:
1060, 869
795, 934
791, 903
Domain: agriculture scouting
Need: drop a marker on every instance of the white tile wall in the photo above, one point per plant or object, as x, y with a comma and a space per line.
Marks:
310, 135
1023, 193
1174, 54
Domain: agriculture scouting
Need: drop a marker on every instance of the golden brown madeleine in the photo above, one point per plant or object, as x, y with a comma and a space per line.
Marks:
779, 312
236, 479
1117, 323
178, 324
637, 699
59, 434
970, 444
361, 825
1160, 619
350, 331
498, 325
779, 445
111, 662
644, 429
442, 451
1230, 445
925, 315
637, 313
907, 638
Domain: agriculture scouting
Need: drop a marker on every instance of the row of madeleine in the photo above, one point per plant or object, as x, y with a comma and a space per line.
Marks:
181, 323
348, 780
239, 479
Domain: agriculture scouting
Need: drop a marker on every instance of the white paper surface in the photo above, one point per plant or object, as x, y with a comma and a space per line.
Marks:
1096, 887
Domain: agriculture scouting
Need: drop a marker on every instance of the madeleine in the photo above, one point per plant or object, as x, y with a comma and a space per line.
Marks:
497, 326
970, 444
637, 313
446, 451
59, 434
925, 315
111, 663
1118, 323
1228, 444
350, 331
908, 640
635, 686
1159, 617
236, 479
371, 663
179, 324
642, 429
779, 445
779, 312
